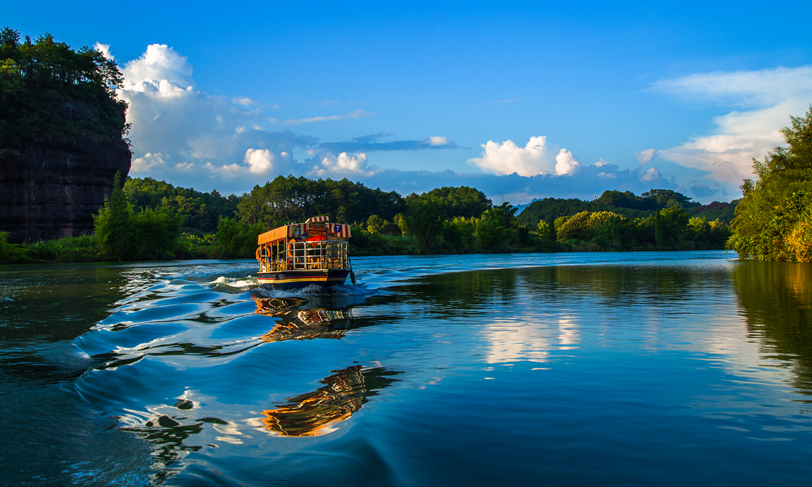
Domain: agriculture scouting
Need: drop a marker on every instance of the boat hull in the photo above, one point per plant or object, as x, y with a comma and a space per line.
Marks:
298, 279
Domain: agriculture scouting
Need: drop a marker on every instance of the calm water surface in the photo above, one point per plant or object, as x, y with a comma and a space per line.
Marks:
567, 369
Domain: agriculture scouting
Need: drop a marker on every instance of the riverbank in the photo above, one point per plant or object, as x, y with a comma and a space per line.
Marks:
191, 247
86, 249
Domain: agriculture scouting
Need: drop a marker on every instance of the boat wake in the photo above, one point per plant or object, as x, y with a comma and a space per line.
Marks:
314, 290
238, 283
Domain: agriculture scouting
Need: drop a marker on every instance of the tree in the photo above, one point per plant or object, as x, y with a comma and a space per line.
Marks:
154, 233
113, 223
659, 230
775, 213
423, 222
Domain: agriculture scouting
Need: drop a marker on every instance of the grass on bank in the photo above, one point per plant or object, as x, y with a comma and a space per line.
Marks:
86, 249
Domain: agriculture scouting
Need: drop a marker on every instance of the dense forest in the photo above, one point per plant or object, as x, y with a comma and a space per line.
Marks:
774, 219
150, 219
627, 205
48, 90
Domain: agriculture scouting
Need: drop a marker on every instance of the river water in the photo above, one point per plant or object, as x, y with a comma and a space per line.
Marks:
565, 369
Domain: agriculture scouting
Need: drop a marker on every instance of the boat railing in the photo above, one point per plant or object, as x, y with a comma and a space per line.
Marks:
323, 254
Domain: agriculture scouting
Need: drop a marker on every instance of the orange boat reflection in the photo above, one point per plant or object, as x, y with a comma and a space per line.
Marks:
301, 324
315, 413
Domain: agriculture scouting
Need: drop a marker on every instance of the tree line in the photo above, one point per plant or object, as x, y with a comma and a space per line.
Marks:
147, 219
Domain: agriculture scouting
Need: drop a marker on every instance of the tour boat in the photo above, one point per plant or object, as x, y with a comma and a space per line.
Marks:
298, 255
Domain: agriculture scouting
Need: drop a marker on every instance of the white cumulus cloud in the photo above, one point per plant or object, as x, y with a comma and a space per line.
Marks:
343, 165
650, 175
566, 163
147, 163
646, 156
176, 128
508, 158
601, 162
159, 62
260, 161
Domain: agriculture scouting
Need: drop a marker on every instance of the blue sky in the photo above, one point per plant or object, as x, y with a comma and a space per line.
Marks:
521, 100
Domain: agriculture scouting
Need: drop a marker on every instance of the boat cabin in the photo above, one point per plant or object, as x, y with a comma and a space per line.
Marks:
316, 244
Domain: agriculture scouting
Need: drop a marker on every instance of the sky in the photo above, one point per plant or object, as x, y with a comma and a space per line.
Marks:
520, 100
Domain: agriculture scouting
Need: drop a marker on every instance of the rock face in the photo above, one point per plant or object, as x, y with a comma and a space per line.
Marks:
50, 190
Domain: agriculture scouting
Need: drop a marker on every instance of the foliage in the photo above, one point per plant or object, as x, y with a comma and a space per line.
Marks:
237, 240
69, 249
287, 199
150, 219
200, 212
376, 224
12, 253
724, 212
124, 234
48, 90
459, 201
625, 204
113, 224
583, 225
423, 222
669, 228
773, 218
155, 233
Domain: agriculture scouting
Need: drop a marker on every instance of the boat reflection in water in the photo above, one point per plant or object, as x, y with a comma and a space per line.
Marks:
316, 413
344, 392
298, 322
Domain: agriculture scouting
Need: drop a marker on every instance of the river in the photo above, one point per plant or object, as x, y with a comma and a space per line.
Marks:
652, 368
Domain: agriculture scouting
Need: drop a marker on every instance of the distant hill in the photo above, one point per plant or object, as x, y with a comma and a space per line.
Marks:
626, 204
724, 212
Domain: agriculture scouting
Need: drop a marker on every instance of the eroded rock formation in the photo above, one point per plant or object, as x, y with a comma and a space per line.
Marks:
51, 189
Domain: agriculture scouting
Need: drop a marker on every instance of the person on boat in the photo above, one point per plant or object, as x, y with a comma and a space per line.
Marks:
291, 250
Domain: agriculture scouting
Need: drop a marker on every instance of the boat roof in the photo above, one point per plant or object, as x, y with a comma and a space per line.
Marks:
320, 224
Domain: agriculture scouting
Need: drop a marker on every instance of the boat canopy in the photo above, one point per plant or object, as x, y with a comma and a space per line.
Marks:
317, 224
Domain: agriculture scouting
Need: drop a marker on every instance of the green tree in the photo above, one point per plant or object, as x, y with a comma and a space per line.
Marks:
237, 240
287, 199
155, 232
774, 213
574, 226
113, 223
659, 230
543, 229
423, 222
375, 223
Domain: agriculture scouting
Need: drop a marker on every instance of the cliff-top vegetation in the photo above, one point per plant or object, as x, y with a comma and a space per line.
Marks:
49, 91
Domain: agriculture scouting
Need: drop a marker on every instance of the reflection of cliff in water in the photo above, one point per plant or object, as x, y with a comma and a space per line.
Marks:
315, 413
777, 303
296, 323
